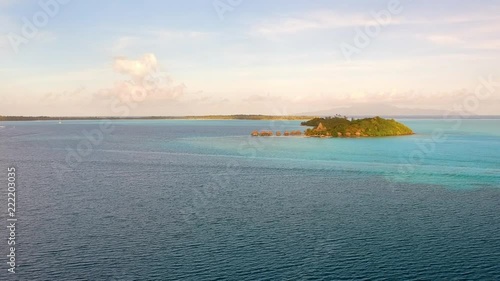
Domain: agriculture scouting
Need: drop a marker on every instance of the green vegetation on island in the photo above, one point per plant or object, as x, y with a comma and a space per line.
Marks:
340, 126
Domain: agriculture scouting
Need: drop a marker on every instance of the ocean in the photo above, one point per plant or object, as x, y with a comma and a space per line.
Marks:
203, 200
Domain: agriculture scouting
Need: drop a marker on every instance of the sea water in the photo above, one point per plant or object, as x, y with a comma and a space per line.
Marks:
203, 200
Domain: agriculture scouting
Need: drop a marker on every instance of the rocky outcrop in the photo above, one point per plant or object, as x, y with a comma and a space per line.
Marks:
267, 133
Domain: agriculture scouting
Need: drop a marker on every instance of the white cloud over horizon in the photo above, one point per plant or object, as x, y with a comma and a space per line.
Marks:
269, 56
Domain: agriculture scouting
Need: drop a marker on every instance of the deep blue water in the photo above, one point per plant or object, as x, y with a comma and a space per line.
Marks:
202, 200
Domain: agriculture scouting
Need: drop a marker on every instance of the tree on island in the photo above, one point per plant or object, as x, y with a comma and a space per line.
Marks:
341, 126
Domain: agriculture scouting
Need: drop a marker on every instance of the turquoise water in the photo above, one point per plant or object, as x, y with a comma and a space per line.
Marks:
202, 200
461, 157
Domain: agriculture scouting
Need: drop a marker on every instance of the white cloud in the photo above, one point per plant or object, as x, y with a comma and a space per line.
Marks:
65, 96
178, 34
140, 39
137, 69
141, 74
444, 39
255, 98
10, 32
4, 45
468, 38
486, 45
144, 79
329, 19
406, 99
123, 43
6, 26
310, 21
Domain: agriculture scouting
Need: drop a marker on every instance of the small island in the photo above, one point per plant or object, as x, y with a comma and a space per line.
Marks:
340, 126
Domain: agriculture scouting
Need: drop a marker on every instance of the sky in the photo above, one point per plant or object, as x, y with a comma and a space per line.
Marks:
200, 57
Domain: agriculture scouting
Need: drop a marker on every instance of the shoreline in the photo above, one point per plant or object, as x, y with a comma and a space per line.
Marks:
208, 117
249, 117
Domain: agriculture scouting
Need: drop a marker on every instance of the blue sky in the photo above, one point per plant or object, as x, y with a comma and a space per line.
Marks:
267, 57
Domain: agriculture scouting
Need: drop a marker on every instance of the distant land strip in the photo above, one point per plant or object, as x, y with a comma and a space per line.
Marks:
204, 117
228, 117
